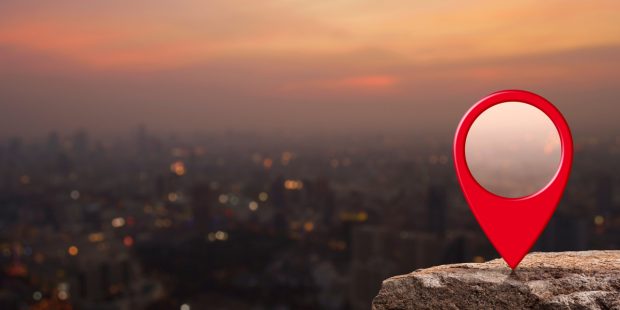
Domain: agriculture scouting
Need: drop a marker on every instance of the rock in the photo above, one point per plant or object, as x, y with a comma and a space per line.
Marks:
566, 280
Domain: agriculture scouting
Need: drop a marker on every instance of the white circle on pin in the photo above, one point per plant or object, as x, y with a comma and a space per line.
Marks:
513, 149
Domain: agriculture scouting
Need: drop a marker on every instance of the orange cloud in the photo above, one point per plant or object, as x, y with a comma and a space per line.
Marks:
365, 82
350, 83
156, 34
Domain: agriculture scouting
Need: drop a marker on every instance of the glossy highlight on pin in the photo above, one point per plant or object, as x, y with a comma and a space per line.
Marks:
513, 224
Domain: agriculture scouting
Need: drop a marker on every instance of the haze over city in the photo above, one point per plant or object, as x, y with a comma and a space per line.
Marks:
286, 154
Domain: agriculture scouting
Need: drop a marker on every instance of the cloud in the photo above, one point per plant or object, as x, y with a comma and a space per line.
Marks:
363, 83
292, 63
160, 35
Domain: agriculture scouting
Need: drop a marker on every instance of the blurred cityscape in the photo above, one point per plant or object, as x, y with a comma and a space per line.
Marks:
248, 221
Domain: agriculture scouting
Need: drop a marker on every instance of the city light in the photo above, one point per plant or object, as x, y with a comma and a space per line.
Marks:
337, 245
211, 237
221, 235
39, 258
478, 259
75, 195
37, 295
63, 295
185, 307
128, 241
433, 159
114, 289
200, 151
223, 199
286, 158
63, 287
294, 225
438, 159
253, 206
267, 163
172, 197
293, 184
263, 196
599, 220
353, 216
308, 226
95, 237
24, 179
163, 223
362, 216
118, 222
178, 168
257, 158
179, 152
73, 250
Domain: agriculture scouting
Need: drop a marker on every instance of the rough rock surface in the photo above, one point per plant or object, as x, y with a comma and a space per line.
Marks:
566, 280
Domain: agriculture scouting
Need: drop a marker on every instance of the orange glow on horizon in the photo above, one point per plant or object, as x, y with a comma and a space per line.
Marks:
372, 81
362, 82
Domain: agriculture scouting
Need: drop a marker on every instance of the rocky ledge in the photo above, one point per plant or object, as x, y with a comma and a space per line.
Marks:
565, 280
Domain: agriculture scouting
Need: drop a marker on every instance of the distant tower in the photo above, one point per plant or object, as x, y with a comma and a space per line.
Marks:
202, 200
604, 195
278, 198
436, 208
277, 193
53, 142
15, 147
80, 142
142, 142
324, 199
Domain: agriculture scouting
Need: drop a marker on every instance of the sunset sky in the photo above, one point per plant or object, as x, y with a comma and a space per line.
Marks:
299, 65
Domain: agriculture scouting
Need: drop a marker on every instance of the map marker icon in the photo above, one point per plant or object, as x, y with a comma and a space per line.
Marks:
513, 224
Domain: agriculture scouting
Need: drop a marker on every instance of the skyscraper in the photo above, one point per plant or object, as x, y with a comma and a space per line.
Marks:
202, 200
436, 208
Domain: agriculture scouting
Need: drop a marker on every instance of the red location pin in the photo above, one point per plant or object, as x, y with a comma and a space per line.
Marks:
513, 224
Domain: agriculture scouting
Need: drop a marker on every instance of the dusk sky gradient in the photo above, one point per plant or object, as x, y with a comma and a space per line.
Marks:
338, 65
